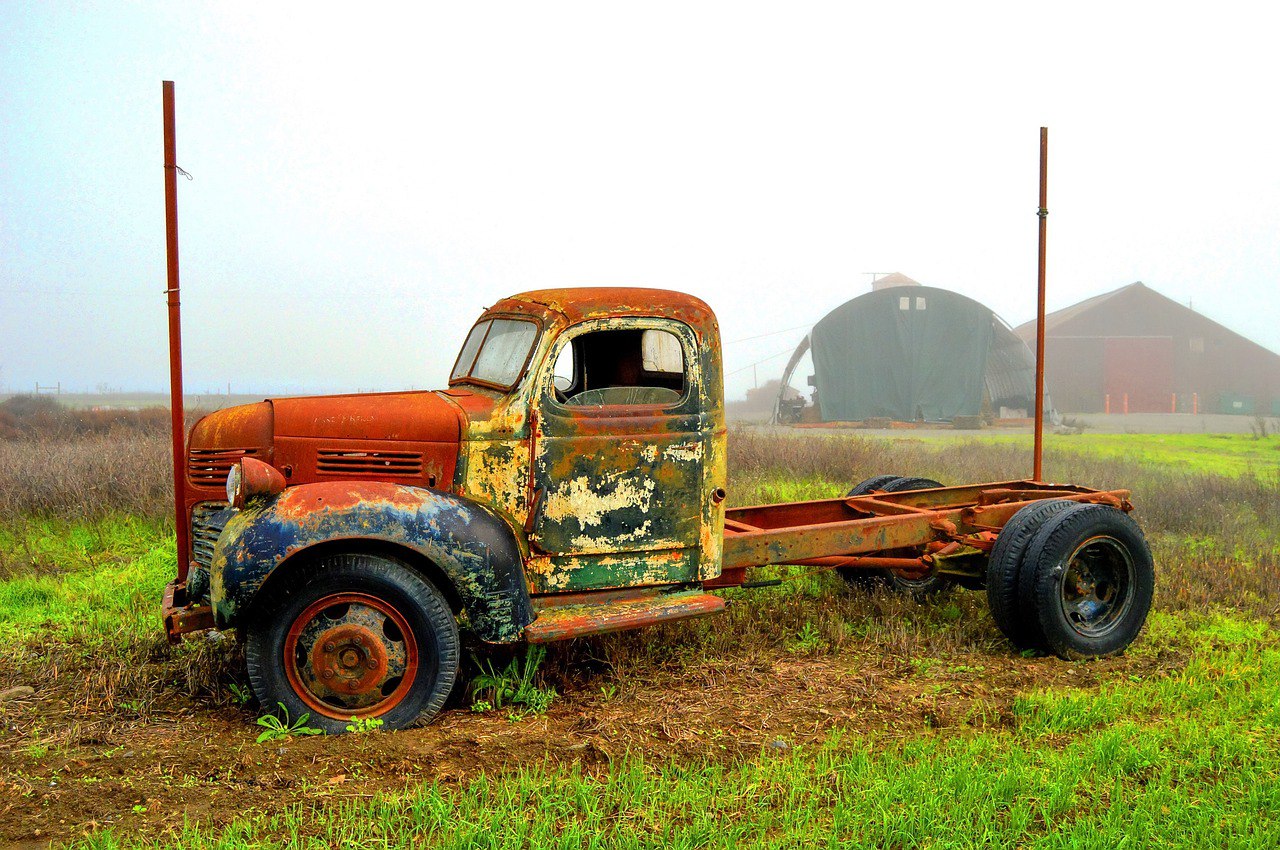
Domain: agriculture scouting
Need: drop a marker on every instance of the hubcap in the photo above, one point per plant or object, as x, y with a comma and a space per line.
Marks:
350, 655
1096, 586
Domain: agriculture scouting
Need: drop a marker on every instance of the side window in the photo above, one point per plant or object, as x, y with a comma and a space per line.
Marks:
621, 367
563, 375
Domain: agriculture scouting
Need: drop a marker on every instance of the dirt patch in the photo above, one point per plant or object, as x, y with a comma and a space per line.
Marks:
68, 771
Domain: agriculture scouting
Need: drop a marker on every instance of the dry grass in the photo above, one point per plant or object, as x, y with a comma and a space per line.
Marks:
86, 477
1215, 538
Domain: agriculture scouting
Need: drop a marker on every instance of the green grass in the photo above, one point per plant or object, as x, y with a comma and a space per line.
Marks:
104, 587
1191, 759
1210, 454
1188, 757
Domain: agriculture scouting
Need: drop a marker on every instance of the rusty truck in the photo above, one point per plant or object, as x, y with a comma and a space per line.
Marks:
571, 480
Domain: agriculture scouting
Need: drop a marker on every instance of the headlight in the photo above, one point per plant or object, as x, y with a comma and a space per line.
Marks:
251, 478
235, 480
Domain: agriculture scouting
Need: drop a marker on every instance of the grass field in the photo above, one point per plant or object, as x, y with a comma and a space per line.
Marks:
1208, 454
807, 715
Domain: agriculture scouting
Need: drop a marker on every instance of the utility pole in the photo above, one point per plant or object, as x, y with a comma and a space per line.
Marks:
177, 424
1043, 213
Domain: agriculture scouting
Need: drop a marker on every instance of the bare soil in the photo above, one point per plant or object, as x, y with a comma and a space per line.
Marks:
195, 760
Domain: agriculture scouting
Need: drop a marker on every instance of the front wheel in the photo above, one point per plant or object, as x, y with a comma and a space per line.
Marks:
361, 636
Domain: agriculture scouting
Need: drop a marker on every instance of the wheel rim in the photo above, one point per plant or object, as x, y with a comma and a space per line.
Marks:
351, 655
914, 584
1095, 591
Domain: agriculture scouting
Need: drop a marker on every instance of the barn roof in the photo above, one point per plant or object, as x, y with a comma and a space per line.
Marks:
1027, 330
1126, 295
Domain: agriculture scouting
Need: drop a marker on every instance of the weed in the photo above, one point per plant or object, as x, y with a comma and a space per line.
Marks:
364, 725
240, 694
276, 729
516, 684
809, 639
923, 666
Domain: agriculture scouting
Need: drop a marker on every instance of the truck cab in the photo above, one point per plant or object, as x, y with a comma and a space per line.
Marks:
595, 424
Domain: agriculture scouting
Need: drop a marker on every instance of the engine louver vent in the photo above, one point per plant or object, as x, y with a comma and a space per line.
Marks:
207, 522
209, 467
344, 462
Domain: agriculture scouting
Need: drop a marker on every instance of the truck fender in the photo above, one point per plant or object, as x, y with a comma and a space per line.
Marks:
476, 550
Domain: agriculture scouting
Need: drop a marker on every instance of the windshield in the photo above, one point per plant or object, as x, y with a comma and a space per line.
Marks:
495, 352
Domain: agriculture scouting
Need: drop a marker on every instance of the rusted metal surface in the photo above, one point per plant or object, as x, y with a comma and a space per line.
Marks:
562, 622
178, 429
478, 556
609, 495
180, 616
802, 531
868, 562
578, 304
1043, 214
258, 479
351, 655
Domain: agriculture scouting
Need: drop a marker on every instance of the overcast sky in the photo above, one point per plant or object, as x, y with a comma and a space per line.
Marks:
367, 181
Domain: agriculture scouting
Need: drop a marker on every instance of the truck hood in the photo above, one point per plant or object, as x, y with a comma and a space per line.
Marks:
411, 417
410, 438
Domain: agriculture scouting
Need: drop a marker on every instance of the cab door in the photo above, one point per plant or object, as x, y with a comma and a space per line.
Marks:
621, 440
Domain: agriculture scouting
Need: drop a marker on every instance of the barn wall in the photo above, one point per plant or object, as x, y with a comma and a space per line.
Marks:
1144, 344
1073, 374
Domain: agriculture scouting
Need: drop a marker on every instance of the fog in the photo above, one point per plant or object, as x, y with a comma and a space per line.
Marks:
365, 183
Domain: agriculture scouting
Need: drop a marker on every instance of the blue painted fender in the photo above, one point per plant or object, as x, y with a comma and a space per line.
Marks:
476, 550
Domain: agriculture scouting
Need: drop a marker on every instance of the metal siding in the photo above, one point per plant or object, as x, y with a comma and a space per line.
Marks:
1073, 374
1138, 373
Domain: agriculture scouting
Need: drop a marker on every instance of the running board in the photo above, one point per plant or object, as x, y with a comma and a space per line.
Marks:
562, 622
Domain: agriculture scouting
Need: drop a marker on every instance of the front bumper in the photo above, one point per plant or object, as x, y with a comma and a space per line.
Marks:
180, 616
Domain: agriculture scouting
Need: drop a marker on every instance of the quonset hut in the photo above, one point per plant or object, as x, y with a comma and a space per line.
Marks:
910, 353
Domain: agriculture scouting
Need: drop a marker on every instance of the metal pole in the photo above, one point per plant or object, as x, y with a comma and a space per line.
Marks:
175, 335
1043, 214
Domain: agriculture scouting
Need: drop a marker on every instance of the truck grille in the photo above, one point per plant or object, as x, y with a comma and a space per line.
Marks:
207, 521
345, 462
209, 467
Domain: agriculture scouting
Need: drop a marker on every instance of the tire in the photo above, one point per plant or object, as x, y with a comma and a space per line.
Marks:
1004, 569
386, 632
869, 579
904, 484
1094, 581
871, 484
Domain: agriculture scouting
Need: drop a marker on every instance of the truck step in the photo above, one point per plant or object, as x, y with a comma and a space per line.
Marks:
561, 622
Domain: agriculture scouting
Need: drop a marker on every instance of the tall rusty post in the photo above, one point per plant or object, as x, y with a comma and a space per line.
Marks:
1043, 213
183, 533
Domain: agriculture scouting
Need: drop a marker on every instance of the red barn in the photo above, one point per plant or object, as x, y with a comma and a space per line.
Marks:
1134, 346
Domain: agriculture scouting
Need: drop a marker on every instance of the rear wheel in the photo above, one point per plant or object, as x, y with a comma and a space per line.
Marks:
867, 579
1094, 581
361, 636
872, 484
1016, 619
